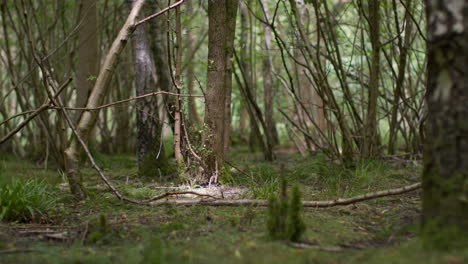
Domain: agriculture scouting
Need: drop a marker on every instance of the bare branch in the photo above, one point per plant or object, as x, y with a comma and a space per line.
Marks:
316, 204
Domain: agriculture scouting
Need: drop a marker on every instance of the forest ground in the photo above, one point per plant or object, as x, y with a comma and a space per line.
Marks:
383, 230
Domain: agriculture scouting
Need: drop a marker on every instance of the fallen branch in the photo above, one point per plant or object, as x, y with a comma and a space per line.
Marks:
17, 251
159, 197
316, 247
264, 203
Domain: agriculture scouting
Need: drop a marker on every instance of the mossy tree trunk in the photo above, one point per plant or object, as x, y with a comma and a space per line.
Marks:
221, 25
445, 176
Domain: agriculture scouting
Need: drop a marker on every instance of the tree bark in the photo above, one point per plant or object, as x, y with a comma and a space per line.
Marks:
370, 147
445, 175
88, 118
87, 64
149, 126
221, 25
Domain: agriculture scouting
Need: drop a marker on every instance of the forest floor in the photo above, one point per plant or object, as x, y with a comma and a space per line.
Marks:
103, 229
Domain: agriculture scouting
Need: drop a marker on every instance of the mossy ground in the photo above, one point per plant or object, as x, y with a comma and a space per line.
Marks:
378, 231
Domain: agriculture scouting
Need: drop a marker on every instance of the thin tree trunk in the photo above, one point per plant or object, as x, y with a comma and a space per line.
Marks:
370, 147
87, 65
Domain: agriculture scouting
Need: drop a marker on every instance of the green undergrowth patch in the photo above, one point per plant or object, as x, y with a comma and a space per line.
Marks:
103, 229
25, 200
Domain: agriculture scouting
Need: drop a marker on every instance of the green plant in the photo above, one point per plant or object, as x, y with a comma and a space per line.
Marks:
25, 201
296, 225
284, 217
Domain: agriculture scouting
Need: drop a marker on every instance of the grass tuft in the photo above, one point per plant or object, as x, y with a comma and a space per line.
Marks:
25, 201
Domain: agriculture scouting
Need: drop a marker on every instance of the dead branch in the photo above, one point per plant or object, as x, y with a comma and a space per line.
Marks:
176, 4
17, 251
128, 100
178, 193
316, 204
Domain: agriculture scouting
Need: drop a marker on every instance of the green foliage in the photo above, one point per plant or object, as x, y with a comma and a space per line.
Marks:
284, 217
154, 251
295, 224
25, 201
101, 232
266, 181
139, 192
155, 166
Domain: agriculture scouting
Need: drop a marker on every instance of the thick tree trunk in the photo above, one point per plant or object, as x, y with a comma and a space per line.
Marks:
221, 16
445, 176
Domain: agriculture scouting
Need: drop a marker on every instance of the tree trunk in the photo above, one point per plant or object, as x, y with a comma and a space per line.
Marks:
370, 131
221, 16
268, 84
148, 124
88, 118
194, 118
445, 176
87, 65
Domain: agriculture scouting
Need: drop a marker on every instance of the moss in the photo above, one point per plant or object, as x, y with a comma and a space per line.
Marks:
445, 210
155, 167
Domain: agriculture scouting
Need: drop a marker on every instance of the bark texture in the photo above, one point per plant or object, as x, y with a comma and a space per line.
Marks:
88, 118
149, 126
445, 176
87, 65
221, 16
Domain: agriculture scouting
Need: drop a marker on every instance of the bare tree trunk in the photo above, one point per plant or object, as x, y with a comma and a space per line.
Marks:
268, 84
177, 112
194, 118
370, 147
87, 68
159, 47
403, 44
221, 16
149, 126
445, 175
88, 118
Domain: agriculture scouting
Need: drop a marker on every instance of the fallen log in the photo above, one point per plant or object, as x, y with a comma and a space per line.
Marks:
263, 203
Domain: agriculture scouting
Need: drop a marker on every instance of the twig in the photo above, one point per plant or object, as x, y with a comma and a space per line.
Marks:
35, 112
127, 100
309, 246
239, 170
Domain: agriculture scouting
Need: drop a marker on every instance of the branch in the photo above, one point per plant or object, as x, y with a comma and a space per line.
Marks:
128, 100
35, 113
316, 204
159, 197
159, 13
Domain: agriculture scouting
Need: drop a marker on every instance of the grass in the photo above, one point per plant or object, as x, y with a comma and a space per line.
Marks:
377, 231
25, 200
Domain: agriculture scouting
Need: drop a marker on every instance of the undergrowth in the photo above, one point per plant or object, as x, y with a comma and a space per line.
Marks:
24, 201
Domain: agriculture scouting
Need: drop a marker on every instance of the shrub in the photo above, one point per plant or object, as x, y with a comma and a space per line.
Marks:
24, 201
295, 225
284, 217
